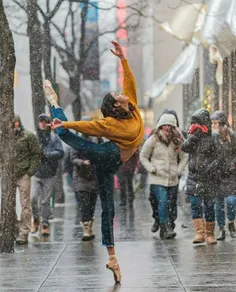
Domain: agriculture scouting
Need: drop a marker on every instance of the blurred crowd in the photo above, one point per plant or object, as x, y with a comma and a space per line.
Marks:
207, 151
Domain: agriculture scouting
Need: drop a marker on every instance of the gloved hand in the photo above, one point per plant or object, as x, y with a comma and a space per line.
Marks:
196, 129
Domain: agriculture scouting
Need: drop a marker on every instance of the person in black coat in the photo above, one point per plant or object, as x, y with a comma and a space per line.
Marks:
227, 186
125, 176
205, 162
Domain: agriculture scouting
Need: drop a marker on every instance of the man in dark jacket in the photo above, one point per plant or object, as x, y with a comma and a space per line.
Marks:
26, 162
227, 185
51, 153
205, 161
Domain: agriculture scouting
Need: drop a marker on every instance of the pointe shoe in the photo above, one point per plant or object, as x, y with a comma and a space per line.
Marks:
49, 91
115, 268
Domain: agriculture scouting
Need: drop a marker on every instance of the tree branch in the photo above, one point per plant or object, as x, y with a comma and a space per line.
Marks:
20, 5
56, 8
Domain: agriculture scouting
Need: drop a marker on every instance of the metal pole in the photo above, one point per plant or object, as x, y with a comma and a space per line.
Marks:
201, 74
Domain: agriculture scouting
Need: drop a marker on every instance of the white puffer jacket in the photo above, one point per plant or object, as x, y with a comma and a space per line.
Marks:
160, 161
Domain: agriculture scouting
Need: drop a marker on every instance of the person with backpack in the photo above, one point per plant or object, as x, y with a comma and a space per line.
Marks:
85, 186
159, 156
152, 197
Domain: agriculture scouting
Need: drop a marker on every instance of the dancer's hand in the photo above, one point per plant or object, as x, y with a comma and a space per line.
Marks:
117, 50
86, 162
56, 123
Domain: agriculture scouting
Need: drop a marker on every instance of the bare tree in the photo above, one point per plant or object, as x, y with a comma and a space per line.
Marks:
47, 16
74, 49
71, 41
8, 183
35, 46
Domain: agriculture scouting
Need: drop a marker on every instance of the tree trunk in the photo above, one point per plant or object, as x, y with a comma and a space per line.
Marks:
35, 45
47, 51
8, 186
75, 86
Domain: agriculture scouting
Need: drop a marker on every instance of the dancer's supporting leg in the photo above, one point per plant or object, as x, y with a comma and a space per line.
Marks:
106, 159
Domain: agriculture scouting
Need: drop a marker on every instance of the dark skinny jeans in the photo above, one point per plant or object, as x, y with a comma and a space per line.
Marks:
106, 159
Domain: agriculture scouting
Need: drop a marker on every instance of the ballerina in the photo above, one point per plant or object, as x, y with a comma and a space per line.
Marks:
123, 126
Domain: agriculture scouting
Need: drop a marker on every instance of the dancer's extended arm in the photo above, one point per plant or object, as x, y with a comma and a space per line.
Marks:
129, 85
92, 128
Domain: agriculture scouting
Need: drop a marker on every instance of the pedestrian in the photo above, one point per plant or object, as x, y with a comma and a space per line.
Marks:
152, 197
143, 173
45, 177
125, 176
68, 167
227, 183
159, 156
85, 186
123, 126
205, 161
26, 162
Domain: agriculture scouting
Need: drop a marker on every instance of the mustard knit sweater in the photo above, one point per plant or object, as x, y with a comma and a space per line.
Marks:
127, 133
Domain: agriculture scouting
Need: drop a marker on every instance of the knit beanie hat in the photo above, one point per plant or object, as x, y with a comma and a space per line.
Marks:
221, 117
166, 119
174, 113
44, 117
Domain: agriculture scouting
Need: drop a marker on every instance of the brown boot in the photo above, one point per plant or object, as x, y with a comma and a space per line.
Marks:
86, 231
210, 229
199, 231
35, 226
114, 267
22, 239
45, 230
90, 231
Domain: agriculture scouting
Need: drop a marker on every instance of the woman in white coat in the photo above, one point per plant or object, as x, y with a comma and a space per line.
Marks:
160, 155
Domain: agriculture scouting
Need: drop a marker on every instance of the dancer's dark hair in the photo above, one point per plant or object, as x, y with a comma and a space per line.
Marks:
109, 109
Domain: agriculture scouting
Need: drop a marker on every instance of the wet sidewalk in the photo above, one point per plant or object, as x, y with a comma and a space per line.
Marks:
63, 263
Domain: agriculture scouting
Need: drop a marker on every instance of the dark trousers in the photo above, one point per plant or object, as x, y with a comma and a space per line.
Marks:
87, 203
126, 186
106, 159
172, 196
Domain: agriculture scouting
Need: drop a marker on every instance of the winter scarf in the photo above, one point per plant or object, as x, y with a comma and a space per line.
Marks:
174, 137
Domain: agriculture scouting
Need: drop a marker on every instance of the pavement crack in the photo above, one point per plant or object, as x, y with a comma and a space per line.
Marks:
52, 268
177, 273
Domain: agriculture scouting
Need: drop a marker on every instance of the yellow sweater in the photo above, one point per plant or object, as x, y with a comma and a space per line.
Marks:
127, 134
